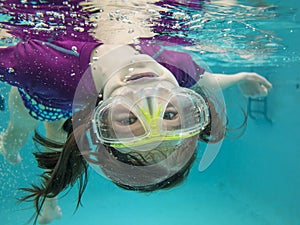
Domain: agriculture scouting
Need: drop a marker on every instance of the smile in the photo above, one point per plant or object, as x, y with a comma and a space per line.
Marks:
135, 77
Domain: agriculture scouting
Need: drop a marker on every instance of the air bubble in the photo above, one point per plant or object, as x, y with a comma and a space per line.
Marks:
196, 16
95, 58
136, 41
74, 48
130, 31
152, 11
10, 70
39, 14
138, 48
79, 29
179, 16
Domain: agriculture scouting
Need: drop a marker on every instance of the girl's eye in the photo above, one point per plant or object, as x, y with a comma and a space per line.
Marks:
170, 115
128, 121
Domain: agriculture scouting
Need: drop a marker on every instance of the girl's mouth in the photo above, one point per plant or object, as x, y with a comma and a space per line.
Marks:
134, 77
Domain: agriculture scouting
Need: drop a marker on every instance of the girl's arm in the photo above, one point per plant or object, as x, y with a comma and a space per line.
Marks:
251, 84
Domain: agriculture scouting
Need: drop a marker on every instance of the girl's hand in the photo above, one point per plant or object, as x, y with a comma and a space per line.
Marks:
253, 85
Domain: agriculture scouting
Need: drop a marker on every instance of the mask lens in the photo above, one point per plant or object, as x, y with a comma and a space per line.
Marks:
158, 115
182, 114
172, 117
117, 121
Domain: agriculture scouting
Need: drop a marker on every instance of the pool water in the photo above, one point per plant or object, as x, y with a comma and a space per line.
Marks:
255, 178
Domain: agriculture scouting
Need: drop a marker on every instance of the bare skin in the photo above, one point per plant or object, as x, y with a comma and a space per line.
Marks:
51, 211
20, 126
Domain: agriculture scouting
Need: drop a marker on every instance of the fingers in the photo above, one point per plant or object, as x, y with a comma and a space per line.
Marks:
254, 85
259, 91
263, 91
264, 81
261, 86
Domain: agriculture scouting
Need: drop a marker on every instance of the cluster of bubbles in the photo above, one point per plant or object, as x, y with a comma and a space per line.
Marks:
30, 19
236, 34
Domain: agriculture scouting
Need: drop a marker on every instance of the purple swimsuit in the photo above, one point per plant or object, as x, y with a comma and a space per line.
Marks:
47, 71
46, 74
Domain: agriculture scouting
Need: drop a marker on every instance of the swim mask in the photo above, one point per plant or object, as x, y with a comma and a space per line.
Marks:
149, 115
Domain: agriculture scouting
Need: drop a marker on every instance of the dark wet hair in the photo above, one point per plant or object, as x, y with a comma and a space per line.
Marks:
67, 167
168, 183
63, 168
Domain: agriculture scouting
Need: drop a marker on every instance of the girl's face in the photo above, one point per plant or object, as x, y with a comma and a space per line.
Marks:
143, 76
152, 114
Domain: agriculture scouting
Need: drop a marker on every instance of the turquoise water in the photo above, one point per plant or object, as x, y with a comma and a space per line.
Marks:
254, 180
